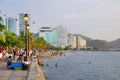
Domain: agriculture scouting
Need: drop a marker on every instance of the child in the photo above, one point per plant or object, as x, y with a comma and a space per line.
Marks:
9, 61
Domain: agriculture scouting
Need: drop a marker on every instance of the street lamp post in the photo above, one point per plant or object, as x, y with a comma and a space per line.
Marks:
26, 18
28, 41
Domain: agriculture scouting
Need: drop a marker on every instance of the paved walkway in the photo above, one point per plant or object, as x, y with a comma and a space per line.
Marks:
6, 74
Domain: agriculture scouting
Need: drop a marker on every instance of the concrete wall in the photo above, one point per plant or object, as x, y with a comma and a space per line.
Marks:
35, 71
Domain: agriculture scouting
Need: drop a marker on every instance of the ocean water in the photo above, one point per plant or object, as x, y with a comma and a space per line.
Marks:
98, 65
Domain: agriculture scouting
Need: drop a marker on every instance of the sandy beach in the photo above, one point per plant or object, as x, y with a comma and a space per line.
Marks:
47, 55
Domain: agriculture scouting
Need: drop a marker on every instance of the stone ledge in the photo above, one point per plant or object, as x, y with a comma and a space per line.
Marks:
35, 72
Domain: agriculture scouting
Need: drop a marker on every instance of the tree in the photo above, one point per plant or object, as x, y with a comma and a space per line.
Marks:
31, 40
2, 27
21, 41
11, 39
67, 48
49, 46
2, 39
2, 35
40, 43
58, 48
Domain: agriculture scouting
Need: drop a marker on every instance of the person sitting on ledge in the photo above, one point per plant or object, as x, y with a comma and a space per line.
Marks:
19, 58
9, 61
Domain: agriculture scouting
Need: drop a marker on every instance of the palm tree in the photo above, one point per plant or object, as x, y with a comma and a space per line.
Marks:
0, 18
40, 43
2, 35
11, 39
31, 40
2, 27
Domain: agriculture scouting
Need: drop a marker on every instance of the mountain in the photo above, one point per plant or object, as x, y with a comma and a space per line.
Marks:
98, 44
114, 44
86, 38
101, 44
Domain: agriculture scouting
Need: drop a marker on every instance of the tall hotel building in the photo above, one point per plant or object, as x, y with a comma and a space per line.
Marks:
57, 36
76, 41
62, 36
22, 22
12, 25
70, 39
81, 42
49, 34
0, 15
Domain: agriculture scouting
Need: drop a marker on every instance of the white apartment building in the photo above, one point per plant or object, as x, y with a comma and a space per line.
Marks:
62, 36
76, 41
81, 42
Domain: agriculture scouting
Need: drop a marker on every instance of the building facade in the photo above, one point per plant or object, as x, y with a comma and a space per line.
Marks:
81, 42
0, 16
56, 36
76, 41
21, 21
6, 22
62, 36
49, 34
70, 39
12, 25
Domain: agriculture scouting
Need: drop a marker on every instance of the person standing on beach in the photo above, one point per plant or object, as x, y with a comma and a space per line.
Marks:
14, 53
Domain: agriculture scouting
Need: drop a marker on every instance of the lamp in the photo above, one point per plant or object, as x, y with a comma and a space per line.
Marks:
28, 27
26, 18
28, 41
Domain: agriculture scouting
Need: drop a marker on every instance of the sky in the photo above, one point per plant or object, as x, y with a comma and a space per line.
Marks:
97, 19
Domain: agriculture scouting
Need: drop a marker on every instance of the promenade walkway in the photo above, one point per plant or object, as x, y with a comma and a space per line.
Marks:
34, 73
6, 74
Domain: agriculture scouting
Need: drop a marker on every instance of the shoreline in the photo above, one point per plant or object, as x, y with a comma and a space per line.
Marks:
41, 73
48, 56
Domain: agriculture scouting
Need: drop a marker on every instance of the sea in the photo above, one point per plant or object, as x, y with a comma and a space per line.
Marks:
84, 65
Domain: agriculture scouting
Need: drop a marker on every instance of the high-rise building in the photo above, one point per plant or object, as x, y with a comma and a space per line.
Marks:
6, 22
81, 42
57, 36
12, 25
0, 11
49, 34
54, 37
76, 41
22, 22
62, 36
70, 40
1, 21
